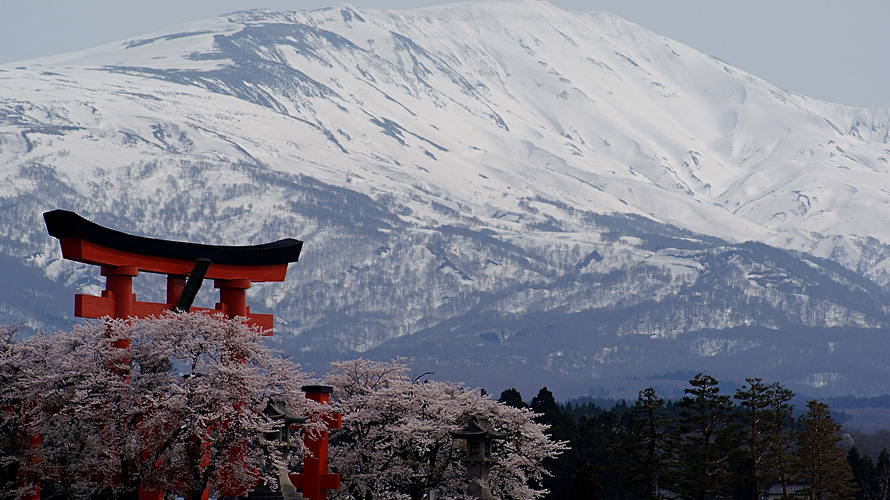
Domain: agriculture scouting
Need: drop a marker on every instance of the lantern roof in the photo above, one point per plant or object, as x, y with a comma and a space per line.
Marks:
478, 428
276, 409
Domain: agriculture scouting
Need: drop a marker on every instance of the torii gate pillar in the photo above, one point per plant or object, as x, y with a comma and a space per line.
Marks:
315, 480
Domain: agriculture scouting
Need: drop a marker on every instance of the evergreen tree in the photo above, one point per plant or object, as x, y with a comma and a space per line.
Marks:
546, 405
863, 474
641, 456
882, 475
598, 435
562, 427
780, 424
766, 417
585, 484
512, 397
754, 401
820, 462
703, 465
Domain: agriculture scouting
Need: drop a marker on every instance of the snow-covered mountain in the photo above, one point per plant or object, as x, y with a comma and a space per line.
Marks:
502, 191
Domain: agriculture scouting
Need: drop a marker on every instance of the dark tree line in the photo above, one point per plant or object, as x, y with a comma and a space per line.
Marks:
708, 445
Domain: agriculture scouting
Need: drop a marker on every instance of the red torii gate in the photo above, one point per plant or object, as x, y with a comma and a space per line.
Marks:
121, 257
233, 268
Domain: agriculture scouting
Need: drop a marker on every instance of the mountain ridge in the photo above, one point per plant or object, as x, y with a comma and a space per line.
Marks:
462, 169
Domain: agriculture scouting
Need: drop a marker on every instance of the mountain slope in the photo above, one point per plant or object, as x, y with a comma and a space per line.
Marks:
476, 169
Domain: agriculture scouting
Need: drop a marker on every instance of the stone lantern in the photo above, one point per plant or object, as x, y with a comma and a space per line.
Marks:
478, 460
276, 409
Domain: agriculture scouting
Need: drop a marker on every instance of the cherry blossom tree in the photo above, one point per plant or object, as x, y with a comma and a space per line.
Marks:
172, 403
396, 442
18, 458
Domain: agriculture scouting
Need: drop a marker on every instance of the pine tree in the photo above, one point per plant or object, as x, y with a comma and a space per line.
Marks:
545, 404
821, 463
585, 484
642, 456
754, 402
766, 417
512, 397
597, 437
562, 427
882, 473
863, 474
706, 439
780, 425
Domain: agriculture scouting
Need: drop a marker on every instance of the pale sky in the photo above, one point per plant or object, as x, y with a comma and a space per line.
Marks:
834, 50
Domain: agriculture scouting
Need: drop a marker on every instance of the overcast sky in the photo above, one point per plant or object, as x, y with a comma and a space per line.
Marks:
834, 50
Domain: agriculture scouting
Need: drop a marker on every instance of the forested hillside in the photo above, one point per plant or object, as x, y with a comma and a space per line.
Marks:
711, 443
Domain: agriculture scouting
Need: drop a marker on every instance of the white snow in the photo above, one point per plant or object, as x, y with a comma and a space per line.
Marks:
491, 112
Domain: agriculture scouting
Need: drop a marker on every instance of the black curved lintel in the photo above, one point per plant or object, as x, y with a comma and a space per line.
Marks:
63, 223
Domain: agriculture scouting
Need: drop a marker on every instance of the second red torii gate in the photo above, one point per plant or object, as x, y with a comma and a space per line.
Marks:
122, 256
